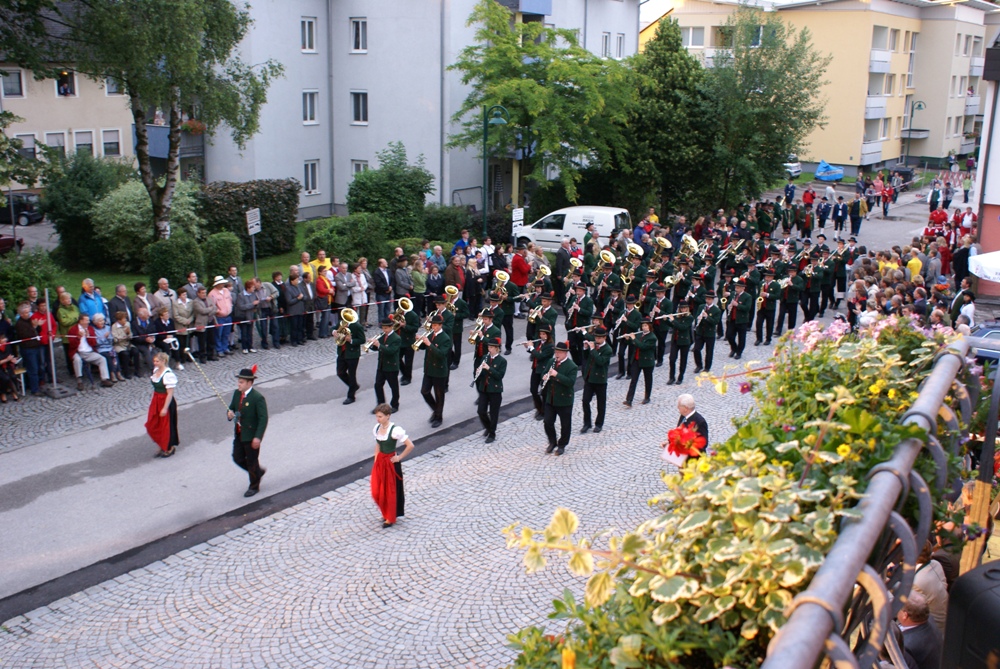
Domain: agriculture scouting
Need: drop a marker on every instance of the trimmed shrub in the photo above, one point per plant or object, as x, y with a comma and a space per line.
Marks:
174, 259
72, 187
31, 268
499, 225
224, 204
396, 192
446, 222
221, 251
349, 237
124, 222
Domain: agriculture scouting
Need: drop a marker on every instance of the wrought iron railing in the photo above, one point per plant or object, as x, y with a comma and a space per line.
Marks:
849, 597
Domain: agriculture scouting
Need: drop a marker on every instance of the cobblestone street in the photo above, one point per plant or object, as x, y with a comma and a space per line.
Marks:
321, 584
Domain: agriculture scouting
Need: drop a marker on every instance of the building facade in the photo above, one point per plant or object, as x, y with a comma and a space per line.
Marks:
360, 74
903, 80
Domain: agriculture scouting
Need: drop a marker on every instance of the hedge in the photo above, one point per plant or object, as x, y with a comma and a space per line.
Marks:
349, 237
30, 268
221, 251
223, 205
174, 259
447, 222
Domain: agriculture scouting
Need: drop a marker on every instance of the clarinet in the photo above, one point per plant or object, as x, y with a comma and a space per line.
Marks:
479, 370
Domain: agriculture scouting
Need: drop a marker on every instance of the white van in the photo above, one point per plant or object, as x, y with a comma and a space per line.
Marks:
549, 231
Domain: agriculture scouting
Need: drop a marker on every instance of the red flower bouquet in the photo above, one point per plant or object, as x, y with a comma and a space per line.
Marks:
683, 442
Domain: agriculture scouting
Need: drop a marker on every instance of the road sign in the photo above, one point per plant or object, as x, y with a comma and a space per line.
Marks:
518, 214
253, 221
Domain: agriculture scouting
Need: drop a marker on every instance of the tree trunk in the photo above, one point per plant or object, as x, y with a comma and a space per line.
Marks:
161, 197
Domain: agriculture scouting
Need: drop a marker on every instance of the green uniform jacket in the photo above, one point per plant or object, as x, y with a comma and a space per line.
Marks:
706, 326
771, 292
582, 315
388, 352
815, 282
595, 367
550, 316
744, 306
644, 349
508, 304
666, 307
408, 333
541, 354
559, 390
492, 332
459, 317
681, 325
638, 281
352, 350
448, 327
829, 271
633, 319
253, 415
491, 380
436, 359
793, 290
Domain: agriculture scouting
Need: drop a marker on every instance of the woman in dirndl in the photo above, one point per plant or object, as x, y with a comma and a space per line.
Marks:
387, 474
161, 421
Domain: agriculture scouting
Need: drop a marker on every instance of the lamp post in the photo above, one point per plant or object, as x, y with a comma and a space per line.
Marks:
915, 106
495, 115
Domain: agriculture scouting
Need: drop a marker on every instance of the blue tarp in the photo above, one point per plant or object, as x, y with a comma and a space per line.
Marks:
827, 172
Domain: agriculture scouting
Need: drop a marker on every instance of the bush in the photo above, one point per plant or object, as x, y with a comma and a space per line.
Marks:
72, 186
174, 259
125, 222
395, 191
498, 225
349, 237
31, 268
445, 222
221, 251
224, 204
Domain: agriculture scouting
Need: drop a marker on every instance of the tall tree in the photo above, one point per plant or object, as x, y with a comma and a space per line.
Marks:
14, 165
762, 94
566, 104
175, 55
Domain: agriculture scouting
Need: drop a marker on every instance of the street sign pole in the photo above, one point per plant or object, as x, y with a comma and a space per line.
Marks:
517, 222
253, 227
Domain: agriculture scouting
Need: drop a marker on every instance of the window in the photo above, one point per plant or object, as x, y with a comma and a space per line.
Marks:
894, 40
947, 127
963, 85
606, 45
890, 83
111, 143
967, 46
958, 43
359, 166
620, 46
13, 85
359, 35
27, 149
310, 177
308, 34
693, 37
913, 57
959, 124
66, 84
906, 41
899, 125
57, 142
112, 87
309, 100
954, 84
83, 140
551, 222
758, 36
906, 112
977, 47
884, 127
359, 106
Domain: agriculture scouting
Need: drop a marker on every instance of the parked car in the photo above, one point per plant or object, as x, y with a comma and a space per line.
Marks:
27, 209
793, 167
7, 244
990, 333
550, 230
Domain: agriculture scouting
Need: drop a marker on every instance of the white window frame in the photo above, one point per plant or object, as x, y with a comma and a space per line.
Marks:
313, 166
310, 97
354, 119
889, 84
959, 125
884, 128
605, 45
687, 37
93, 145
358, 166
34, 141
20, 76
963, 86
359, 34
907, 100
107, 88
307, 34
76, 87
112, 155
65, 140
967, 46
958, 44
894, 40
899, 126
948, 127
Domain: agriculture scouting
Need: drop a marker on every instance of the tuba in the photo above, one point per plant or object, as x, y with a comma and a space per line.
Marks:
347, 317
608, 256
452, 293
634, 249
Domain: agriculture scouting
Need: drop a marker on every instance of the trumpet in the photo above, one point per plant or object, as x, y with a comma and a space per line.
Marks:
786, 282
477, 331
347, 317
732, 248
425, 328
575, 264
368, 344
535, 314
452, 292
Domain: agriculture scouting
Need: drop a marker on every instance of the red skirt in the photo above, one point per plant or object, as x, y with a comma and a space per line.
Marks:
162, 429
387, 486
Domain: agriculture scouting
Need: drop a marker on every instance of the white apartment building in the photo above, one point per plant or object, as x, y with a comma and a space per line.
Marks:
360, 74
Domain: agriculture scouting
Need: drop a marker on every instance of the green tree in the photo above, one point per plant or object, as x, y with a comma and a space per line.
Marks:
566, 105
395, 192
761, 94
175, 55
14, 166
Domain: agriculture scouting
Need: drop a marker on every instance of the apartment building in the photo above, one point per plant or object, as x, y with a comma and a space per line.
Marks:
70, 113
360, 74
903, 79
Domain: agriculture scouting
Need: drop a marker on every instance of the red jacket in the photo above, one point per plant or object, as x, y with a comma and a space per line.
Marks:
73, 339
519, 270
324, 289
46, 326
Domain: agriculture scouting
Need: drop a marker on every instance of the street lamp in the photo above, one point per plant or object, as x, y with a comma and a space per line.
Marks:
495, 115
915, 106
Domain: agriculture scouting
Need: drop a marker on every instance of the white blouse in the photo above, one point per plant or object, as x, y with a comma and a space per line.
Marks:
168, 377
395, 432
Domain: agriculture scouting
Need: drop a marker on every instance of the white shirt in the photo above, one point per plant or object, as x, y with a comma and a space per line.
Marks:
168, 377
84, 344
969, 311
395, 432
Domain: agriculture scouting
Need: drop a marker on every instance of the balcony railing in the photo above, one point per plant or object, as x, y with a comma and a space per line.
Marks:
192, 146
976, 66
967, 146
871, 152
875, 106
972, 105
879, 59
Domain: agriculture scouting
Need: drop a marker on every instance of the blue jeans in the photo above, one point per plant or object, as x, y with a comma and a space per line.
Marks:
384, 306
324, 321
246, 336
32, 366
223, 328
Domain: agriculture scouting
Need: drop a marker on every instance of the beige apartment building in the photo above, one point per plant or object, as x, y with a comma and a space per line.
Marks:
71, 113
904, 76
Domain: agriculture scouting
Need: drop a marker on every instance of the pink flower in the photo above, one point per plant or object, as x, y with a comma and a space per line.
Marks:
787, 428
746, 387
780, 401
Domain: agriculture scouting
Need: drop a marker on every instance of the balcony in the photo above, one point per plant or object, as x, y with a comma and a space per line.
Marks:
871, 152
914, 133
976, 66
972, 105
708, 56
879, 60
192, 146
537, 7
875, 106
967, 146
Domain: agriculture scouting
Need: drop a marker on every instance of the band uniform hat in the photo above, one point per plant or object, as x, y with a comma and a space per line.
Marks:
659, 288
539, 282
814, 256
740, 283
580, 285
609, 265
598, 316
439, 319
439, 299
646, 320
729, 272
600, 331
562, 346
615, 288
494, 297
791, 268
544, 327
248, 374
769, 272
825, 250
853, 239
710, 293
547, 295
683, 304
631, 299
486, 313
218, 281
387, 323
807, 242
494, 341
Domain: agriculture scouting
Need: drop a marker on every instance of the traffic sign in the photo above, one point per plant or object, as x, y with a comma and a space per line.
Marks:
518, 215
253, 221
